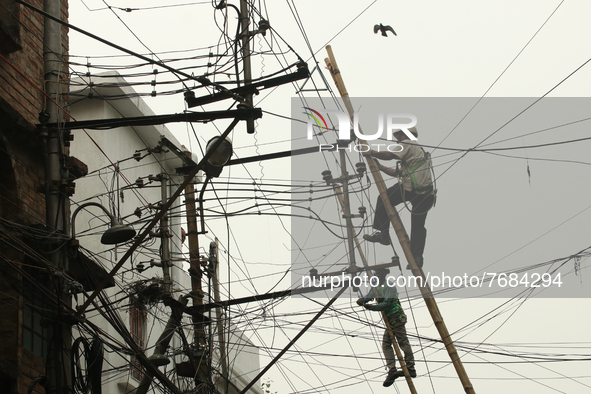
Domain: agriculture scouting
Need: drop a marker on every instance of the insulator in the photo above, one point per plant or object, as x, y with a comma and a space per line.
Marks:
362, 210
327, 176
263, 27
264, 24
361, 168
44, 117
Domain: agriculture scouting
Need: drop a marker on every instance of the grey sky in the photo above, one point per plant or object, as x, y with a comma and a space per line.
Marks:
488, 209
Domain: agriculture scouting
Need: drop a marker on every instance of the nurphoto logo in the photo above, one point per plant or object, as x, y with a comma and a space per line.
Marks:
344, 129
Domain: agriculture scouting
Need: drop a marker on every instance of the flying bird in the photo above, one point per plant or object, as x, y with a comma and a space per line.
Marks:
383, 29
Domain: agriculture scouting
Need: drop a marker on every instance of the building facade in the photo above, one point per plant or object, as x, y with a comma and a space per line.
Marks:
134, 173
27, 240
50, 263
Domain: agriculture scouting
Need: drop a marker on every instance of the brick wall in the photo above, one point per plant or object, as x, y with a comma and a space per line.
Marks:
31, 365
9, 329
23, 173
19, 93
21, 101
21, 179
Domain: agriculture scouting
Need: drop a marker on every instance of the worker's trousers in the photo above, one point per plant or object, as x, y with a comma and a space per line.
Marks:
421, 204
397, 323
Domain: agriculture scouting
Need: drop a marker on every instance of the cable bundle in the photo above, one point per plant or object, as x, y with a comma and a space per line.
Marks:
88, 379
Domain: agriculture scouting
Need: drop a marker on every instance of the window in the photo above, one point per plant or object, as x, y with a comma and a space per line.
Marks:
9, 201
137, 328
10, 40
35, 325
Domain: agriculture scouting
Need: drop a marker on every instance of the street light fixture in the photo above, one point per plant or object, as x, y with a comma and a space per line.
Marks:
219, 157
118, 233
213, 168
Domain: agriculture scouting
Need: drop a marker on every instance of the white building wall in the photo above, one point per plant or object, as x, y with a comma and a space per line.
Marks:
119, 145
97, 148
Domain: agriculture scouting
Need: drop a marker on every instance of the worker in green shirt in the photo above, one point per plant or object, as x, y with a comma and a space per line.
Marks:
387, 300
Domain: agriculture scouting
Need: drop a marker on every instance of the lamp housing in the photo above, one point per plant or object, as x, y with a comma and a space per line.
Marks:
219, 157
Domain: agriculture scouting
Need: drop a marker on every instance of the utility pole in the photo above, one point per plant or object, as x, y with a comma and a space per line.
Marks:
245, 37
195, 273
56, 203
52, 49
164, 237
347, 210
214, 264
404, 240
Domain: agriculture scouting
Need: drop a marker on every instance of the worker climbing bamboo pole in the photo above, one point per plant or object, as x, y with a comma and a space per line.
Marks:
387, 302
403, 238
391, 376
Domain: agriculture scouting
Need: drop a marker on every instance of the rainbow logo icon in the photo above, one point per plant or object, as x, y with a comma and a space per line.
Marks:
311, 115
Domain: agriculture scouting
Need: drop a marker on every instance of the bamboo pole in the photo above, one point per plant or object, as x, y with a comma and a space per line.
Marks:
403, 238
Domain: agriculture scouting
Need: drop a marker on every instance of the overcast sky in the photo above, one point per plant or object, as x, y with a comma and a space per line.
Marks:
492, 211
